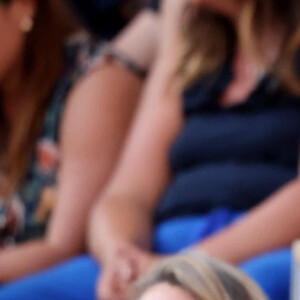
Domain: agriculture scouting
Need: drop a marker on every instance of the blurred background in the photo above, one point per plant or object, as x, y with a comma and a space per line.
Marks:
106, 18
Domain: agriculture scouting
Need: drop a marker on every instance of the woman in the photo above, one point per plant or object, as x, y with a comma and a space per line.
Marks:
237, 143
195, 276
26, 59
35, 80
232, 150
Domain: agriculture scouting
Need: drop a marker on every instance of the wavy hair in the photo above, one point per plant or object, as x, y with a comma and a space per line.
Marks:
204, 277
209, 38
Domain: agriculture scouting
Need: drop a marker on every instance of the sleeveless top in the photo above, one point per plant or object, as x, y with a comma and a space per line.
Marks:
18, 217
232, 157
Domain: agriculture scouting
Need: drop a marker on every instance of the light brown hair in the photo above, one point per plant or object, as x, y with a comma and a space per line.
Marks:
204, 277
210, 38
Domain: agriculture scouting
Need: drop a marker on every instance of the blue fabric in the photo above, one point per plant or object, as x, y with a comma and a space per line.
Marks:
273, 273
76, 279
173, 235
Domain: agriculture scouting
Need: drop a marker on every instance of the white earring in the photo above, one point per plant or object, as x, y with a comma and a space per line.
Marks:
26, 24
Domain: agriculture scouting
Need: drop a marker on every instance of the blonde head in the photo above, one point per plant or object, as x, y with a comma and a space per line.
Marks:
203, 277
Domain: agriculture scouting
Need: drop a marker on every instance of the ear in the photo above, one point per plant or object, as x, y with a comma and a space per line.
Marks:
22, 13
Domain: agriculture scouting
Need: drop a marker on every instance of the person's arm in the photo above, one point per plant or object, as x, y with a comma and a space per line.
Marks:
273, 224
96, 121
124, 213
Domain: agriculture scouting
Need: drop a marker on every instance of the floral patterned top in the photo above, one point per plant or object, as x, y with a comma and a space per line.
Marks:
26, 214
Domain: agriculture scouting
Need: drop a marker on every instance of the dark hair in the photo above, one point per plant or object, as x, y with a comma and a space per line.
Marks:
43, 63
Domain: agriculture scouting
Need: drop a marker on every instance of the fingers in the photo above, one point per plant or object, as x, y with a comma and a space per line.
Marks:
127, 264
116, 279
127, 271
108, 288
172, 20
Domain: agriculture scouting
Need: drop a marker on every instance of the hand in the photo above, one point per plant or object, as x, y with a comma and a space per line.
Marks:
124, 267
173, 10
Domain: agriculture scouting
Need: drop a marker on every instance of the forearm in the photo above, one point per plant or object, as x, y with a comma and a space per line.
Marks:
29, 258
272, 225
115, 224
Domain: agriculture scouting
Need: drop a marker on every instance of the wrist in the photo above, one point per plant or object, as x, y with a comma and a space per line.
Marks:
114, 250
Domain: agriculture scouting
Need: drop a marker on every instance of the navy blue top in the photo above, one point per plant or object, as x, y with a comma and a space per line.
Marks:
232, 157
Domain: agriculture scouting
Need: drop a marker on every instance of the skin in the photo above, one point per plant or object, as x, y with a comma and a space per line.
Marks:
143, 174
11, 36
89, 151
165, 291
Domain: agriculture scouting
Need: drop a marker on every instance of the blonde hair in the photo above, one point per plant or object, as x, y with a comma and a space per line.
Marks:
210, 38
204, 277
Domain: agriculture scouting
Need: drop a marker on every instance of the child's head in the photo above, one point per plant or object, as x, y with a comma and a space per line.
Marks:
196, 276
